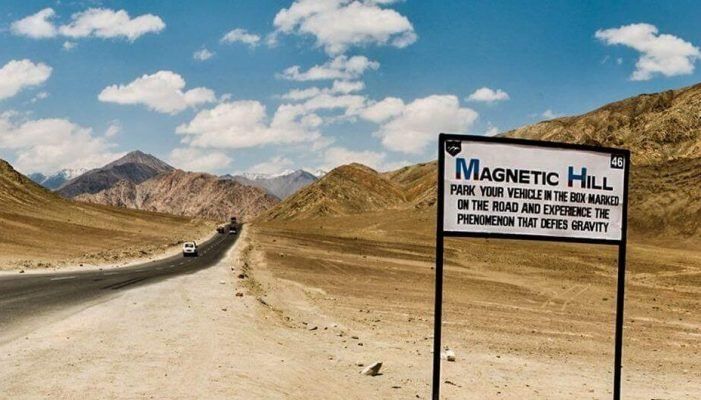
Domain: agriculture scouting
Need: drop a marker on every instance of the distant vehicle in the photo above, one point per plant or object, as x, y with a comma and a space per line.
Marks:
233, 220
190, 249
232, 229
221, 229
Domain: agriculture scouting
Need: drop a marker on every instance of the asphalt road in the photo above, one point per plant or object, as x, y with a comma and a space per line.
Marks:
24, 296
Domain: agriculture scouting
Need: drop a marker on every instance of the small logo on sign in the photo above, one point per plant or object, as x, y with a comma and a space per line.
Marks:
453, 147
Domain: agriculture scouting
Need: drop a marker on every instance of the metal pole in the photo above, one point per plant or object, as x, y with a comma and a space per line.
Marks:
438, 308
620, 293
619, 321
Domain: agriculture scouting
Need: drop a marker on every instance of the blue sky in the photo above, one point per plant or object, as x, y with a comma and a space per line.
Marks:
82, 82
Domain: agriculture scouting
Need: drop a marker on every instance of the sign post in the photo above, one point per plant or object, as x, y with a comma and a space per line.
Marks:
508, 188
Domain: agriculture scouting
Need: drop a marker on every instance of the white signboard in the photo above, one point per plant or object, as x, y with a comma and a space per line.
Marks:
496, 186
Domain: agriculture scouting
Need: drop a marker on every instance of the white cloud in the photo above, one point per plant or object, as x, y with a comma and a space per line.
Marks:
39, 96
20, 74
338, 25
68, 45
335, 156
275, 165
419, 123
94, 22
202, 55
487, 95
106, 23
241, 36
662, 54
198, 160
162, 92
114, 129
383, 110
243, 124
36, 26
341, 67
550, 114
339, 87
47, 145
491, 130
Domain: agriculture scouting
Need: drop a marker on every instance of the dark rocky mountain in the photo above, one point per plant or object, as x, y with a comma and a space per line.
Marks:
135, 167
280, 186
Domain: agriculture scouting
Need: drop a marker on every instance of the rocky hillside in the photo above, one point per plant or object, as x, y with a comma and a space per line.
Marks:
655, 127
38, 225
186, 193
280, 186
349, 189
134, 167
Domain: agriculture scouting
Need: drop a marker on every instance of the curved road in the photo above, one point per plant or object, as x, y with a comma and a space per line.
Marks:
30, 295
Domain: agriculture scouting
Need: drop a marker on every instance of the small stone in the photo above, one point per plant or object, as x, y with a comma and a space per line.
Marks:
448, 355
312, 327
372, 369
222, 282
359, 363
239, 294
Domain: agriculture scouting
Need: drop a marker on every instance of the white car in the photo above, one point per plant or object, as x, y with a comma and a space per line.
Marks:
189, 249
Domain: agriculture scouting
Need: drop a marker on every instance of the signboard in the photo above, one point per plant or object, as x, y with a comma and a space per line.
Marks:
525, 189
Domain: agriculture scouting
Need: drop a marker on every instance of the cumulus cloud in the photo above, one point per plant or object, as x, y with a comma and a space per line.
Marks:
94, 22
338, 25
202, 55
663, 54
36, 26
162, 92
47, 145
383, 110
341, 67
241, 36
487, 95
419, 123
243, 124
17, 75
199, 160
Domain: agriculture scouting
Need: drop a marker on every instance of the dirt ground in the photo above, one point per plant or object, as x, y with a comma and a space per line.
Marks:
191, 337
90, 235
527, 320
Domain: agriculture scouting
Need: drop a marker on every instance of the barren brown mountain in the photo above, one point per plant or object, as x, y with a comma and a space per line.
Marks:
134, 167
349, 189
40, 228
655, 127
189, 194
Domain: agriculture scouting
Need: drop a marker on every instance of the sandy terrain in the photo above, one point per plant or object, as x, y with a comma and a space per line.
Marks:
527, 320
191, 337
524, 325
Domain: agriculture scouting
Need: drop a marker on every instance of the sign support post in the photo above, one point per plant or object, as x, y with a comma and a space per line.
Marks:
524, 196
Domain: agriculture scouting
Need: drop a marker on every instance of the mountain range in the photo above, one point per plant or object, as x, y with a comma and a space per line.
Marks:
57, 179
662, 130
186, 193
279, 185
